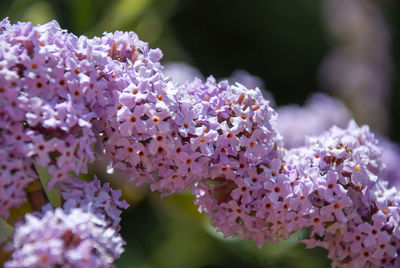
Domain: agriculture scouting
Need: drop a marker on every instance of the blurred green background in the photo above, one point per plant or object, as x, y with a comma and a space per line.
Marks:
283, 42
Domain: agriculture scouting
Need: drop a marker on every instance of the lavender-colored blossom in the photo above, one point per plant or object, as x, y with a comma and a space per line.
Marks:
181, 72
246, 79
391, 158
346, 170
251, 81
54, 89
61, 93
318, 114
74, 239
15, 175
45, 115
181, 127
333, 185
244, 158
359, 66
91, 197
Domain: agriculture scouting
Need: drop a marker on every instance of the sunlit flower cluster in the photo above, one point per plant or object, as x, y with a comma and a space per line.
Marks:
44, 107
354, 214
333, 186
65, 100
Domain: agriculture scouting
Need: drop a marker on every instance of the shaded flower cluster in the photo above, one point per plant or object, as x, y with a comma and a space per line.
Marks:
333, 185
91, 197
359, 66
391, 158
181, 72
317, 115
352, 214
74, 239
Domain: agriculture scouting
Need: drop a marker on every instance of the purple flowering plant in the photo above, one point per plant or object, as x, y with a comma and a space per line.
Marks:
66, 100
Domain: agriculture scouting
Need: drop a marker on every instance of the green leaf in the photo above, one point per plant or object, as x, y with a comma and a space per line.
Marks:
5, 230
53, 195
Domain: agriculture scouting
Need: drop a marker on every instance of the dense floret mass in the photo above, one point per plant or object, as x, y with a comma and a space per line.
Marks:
352, 212
65, 100
318, 114
54, 88
173, 136
333, 186
91, 197
74, 239
244, 161
44, 112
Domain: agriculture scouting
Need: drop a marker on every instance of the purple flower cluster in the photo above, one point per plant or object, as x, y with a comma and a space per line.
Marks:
391, 158
359, 66
74, 239
181, 72
318, 114
91, 197
333, 185
44, 107
172, 136
55, 87
64, 99
350, 211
